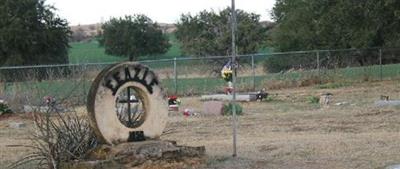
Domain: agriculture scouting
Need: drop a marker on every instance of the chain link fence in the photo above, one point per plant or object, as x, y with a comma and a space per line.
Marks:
196, 76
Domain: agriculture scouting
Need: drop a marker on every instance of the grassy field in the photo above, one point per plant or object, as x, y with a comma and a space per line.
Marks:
91, 52
285, 132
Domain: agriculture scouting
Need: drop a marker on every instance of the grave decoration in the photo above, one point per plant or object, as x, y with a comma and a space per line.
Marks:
128, 112
173, 103
226, 74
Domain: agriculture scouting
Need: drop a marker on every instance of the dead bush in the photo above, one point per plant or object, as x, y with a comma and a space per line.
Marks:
57, 139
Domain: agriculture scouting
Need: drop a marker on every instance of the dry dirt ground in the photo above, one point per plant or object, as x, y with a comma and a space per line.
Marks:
285, 132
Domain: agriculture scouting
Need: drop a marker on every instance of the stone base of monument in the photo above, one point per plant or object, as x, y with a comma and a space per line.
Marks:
145, 154
244, 97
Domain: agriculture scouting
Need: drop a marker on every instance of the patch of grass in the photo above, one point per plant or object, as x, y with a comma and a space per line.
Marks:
90, 52
333, 85
75, 91
265, 50
271, 97
228, 109
313, 99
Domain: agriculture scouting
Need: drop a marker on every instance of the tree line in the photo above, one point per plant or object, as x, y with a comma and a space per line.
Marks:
31, 33
334, 24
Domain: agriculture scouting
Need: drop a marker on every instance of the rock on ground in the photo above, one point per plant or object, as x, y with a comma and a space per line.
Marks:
146, 154
17, 125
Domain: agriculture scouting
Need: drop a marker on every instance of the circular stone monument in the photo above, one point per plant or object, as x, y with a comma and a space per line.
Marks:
124, 100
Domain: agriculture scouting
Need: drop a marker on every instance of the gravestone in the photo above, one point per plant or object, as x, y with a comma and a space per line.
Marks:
125, 99
213, 108
325, 99
128, 112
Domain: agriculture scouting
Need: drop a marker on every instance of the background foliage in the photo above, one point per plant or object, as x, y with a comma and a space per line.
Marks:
338, 24
334, 24
133, 36
209, 33
31, 34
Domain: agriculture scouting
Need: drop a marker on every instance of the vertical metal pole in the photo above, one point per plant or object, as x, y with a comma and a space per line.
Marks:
175, 77
233, 102
5, 88
3, 83
380, 64
318, 66
84, 80
254, 72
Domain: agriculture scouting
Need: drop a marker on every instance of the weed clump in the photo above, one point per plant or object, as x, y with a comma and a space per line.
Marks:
4, 109
228, 109
313, 99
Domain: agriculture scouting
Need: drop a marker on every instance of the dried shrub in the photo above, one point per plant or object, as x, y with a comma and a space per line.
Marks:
58, 139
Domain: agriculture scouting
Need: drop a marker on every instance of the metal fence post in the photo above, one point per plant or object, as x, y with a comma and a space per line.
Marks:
84, 80
253, 72
380, 64
318, 66
233, 101
175, 77
3, 85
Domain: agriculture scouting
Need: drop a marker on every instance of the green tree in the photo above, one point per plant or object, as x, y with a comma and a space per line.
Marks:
333, 24
133, 36
209, 33
31, 34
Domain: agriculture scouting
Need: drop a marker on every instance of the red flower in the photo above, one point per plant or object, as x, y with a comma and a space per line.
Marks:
172, 98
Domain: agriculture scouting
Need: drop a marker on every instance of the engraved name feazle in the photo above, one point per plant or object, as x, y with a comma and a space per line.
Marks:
117, 78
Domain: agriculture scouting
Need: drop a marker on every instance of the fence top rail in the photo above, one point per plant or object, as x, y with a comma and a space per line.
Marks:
190, 58
58, 65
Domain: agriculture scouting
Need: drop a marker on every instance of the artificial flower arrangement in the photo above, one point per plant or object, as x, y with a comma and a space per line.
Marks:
226, 72
173, 103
